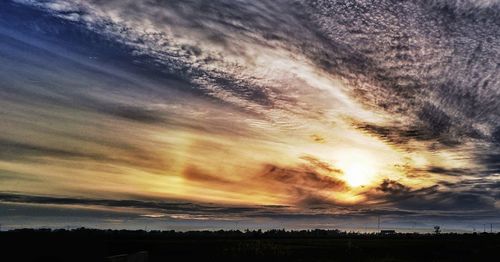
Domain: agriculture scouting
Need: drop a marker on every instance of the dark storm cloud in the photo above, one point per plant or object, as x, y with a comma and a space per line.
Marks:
456, 172
15, 205
495, 136
490, 160
167, 208
163, 206
443, 201
202, 210
455, 197
393, 187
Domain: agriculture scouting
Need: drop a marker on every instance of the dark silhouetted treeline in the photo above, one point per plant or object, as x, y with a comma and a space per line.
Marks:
234, 245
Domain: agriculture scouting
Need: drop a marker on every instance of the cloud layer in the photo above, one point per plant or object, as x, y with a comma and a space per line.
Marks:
355, 107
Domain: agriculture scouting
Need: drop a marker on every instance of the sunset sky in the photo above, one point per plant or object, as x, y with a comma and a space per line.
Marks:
200, 114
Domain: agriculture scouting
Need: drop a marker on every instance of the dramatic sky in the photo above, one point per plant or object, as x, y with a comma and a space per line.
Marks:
197, 114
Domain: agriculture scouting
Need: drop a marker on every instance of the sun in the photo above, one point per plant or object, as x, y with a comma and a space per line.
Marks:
357, 175
359, 168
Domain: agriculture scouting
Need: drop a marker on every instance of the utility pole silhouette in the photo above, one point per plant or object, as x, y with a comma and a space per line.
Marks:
379, 222
491, 228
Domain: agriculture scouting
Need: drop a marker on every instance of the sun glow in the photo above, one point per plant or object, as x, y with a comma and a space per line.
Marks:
359, 169
358, 175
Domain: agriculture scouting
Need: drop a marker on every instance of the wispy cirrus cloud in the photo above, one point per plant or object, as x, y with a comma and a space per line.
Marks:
268, 102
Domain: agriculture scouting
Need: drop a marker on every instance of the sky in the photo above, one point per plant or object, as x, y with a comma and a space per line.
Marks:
233, 114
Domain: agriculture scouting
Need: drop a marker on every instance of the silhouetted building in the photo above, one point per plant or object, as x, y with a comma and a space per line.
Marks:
387, 232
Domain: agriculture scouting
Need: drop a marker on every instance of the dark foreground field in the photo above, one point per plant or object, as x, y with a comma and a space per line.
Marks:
96, 245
